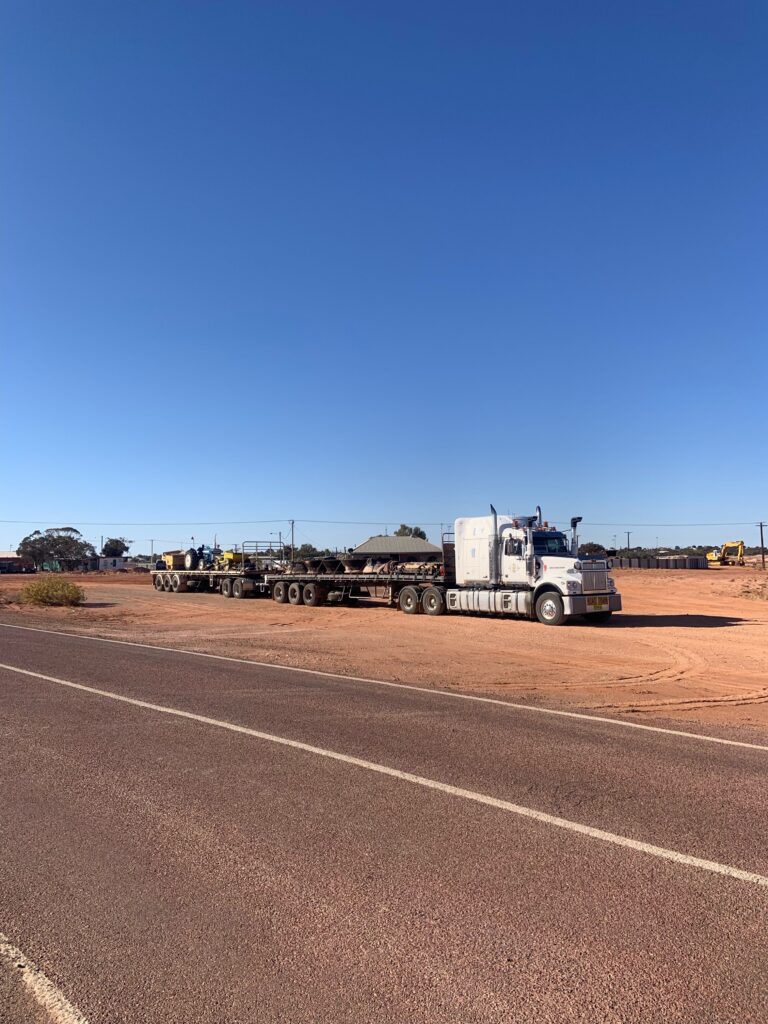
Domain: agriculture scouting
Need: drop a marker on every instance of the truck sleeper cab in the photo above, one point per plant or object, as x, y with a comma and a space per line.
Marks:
517, 565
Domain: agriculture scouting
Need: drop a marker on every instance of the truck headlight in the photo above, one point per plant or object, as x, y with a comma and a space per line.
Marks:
573, 586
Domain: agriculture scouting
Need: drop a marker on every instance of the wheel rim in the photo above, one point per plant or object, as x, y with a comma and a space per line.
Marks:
549, 608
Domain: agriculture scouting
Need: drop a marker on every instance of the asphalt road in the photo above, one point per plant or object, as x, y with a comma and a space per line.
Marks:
165, 868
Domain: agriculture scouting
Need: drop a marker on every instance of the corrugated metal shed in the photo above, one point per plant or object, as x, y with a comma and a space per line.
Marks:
382, 545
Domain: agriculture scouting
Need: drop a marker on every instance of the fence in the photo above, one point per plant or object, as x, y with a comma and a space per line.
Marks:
665, 562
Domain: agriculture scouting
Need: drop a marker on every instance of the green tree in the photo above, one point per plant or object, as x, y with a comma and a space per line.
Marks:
310, 551
410, 531
591, 548
115, 547
63, 544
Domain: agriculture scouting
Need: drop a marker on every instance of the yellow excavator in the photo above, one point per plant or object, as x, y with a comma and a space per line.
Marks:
729, 553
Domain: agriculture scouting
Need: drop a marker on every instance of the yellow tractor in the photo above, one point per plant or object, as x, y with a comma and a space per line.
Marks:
730, 553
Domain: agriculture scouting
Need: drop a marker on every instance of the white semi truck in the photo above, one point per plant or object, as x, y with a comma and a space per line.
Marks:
507, 565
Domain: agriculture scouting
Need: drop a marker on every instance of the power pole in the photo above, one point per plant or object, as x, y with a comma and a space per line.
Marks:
293, 550
629, 533
762, 544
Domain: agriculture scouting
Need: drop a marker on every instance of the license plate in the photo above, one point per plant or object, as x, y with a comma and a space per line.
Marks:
597, 604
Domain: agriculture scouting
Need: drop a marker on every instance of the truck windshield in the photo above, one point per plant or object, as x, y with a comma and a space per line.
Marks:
550, 544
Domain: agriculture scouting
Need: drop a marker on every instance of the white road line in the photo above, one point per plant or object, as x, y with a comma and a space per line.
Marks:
535, 708
419, 780
57, 1007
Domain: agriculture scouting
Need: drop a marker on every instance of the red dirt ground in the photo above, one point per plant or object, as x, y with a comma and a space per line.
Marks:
690, 644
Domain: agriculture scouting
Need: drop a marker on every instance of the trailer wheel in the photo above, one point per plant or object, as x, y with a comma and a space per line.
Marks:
238, 588
167, 585
295, 593
549, 608
159, 582
280, 592
226, 588
313, 595
432, 601
410, 601
178, 585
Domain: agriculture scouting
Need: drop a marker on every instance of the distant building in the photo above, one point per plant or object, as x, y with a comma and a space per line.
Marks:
11, 562
102, 564
399, 549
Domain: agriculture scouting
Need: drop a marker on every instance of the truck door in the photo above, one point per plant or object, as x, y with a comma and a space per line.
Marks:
513, 566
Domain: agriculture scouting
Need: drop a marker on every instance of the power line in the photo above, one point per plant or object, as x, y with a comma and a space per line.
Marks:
222, 522
750, 523
350, 522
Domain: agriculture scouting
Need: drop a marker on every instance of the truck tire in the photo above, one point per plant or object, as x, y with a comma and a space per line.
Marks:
410, 600
280, 592
433, 601
549, 608
191, 559
159, 582
238, 588
226, 588
295, 593
178, 585
167, 585
313, 595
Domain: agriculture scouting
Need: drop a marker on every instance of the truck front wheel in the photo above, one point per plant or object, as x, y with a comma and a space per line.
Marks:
549, 608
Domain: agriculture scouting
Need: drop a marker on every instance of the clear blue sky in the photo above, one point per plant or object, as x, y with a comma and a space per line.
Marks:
383, 262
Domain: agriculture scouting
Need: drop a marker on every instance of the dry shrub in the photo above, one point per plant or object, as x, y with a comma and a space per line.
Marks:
52, 591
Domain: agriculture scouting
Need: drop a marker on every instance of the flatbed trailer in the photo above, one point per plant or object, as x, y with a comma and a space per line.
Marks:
228, 582
315, 588
331, 587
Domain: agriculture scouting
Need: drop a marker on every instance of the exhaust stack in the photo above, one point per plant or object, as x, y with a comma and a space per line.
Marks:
494, 574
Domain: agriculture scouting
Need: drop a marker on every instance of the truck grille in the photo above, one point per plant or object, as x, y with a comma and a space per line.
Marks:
594, 577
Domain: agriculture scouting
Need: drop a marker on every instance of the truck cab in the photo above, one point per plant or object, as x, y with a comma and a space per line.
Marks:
521, 565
